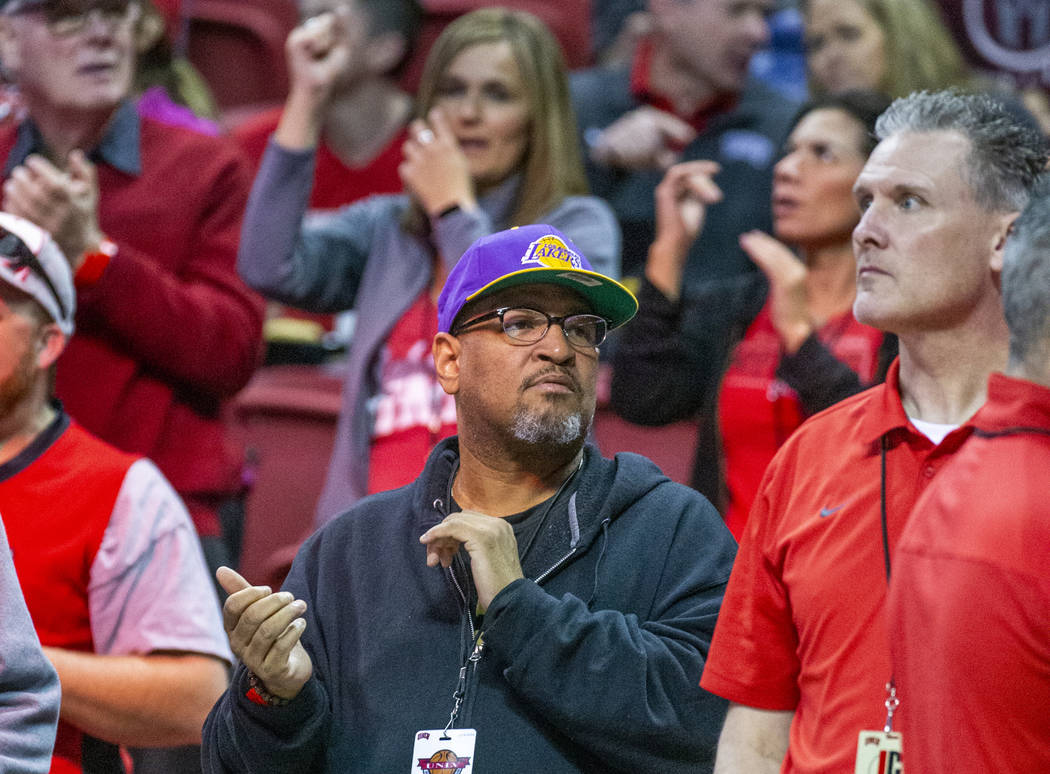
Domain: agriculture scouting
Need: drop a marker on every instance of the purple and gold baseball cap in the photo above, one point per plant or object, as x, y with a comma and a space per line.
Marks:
31, 262
531, 255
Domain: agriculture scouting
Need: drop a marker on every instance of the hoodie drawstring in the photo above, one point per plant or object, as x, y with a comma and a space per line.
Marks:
598, 564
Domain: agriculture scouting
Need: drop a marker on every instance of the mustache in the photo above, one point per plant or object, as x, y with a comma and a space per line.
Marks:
552, 371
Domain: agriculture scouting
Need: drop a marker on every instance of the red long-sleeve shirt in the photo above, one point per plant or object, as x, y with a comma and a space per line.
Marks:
169, 332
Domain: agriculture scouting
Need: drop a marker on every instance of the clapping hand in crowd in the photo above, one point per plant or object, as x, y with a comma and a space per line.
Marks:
682, 199
788, 297
645, 138
491, 544
264, 628
63, 202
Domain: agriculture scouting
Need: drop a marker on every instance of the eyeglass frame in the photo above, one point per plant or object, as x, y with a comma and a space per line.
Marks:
21, 257
81, 20
551, 320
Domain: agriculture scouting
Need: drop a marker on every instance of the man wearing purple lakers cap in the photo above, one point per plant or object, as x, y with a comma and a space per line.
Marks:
525, 604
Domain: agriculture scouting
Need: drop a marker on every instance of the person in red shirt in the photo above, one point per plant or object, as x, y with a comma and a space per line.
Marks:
970, 589
363, 123
770, 347
686, 95
490, 147
106, 555
148, 214
134, 202
801, 648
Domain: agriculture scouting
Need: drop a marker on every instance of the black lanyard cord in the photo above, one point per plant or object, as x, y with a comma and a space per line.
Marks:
885, 442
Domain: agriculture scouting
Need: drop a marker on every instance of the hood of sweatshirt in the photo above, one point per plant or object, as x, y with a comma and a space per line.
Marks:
600, 491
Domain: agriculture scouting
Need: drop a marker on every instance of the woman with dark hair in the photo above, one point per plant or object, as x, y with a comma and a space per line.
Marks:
493, 146
755, 355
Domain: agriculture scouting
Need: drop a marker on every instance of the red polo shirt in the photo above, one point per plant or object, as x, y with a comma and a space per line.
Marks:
970, 600
802, 625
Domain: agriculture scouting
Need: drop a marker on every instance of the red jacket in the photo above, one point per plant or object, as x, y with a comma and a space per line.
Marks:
168, 333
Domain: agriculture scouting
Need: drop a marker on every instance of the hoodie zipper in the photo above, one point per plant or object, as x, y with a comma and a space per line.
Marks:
543, 575
468, 672
463, 597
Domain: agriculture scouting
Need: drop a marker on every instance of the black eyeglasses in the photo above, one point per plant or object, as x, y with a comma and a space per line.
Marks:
19, 256
530, 325
68, 17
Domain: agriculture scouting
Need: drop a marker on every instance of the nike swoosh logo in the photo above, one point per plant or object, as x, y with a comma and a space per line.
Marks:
825, 512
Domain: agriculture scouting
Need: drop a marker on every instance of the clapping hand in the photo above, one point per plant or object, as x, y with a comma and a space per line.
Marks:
788, 296
645, 138
63, 202
490, 542
264, 629
682, 199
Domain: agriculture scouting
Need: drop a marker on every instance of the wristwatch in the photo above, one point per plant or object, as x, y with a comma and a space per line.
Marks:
258, 694
94, 263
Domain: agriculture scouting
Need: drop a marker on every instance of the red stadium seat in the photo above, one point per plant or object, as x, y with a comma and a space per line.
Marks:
286, 417
238, 46
569, 20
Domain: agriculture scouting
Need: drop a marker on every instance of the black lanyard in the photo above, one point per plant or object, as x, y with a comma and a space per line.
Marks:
892, 702
885, 443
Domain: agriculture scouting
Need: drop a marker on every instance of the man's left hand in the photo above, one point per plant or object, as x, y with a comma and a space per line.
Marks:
491, 544
62, 202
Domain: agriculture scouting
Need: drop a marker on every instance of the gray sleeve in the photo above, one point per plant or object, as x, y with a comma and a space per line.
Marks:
454, 232
589, 222
312, 261
150, 589
586, 220
29, 692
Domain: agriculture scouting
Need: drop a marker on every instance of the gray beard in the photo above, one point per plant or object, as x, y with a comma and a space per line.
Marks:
536, 428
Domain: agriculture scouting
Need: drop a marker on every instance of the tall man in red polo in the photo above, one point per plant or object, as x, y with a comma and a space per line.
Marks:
801, 646
971, 580
149, 217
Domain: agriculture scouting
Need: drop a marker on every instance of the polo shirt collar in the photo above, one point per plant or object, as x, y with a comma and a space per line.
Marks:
890, 418
1014, 403
890, 415
119, 148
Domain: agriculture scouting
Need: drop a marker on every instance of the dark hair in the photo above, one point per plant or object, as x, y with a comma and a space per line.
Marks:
862, 104
1026, 277
405, 17
1006, 156
402, 16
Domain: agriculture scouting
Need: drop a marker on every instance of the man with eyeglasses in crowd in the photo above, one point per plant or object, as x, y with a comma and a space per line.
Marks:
541, 606
149, 216
112, 572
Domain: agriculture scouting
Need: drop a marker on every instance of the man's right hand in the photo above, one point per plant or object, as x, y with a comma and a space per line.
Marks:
318, 53
681, 200
645, 138
264, 630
